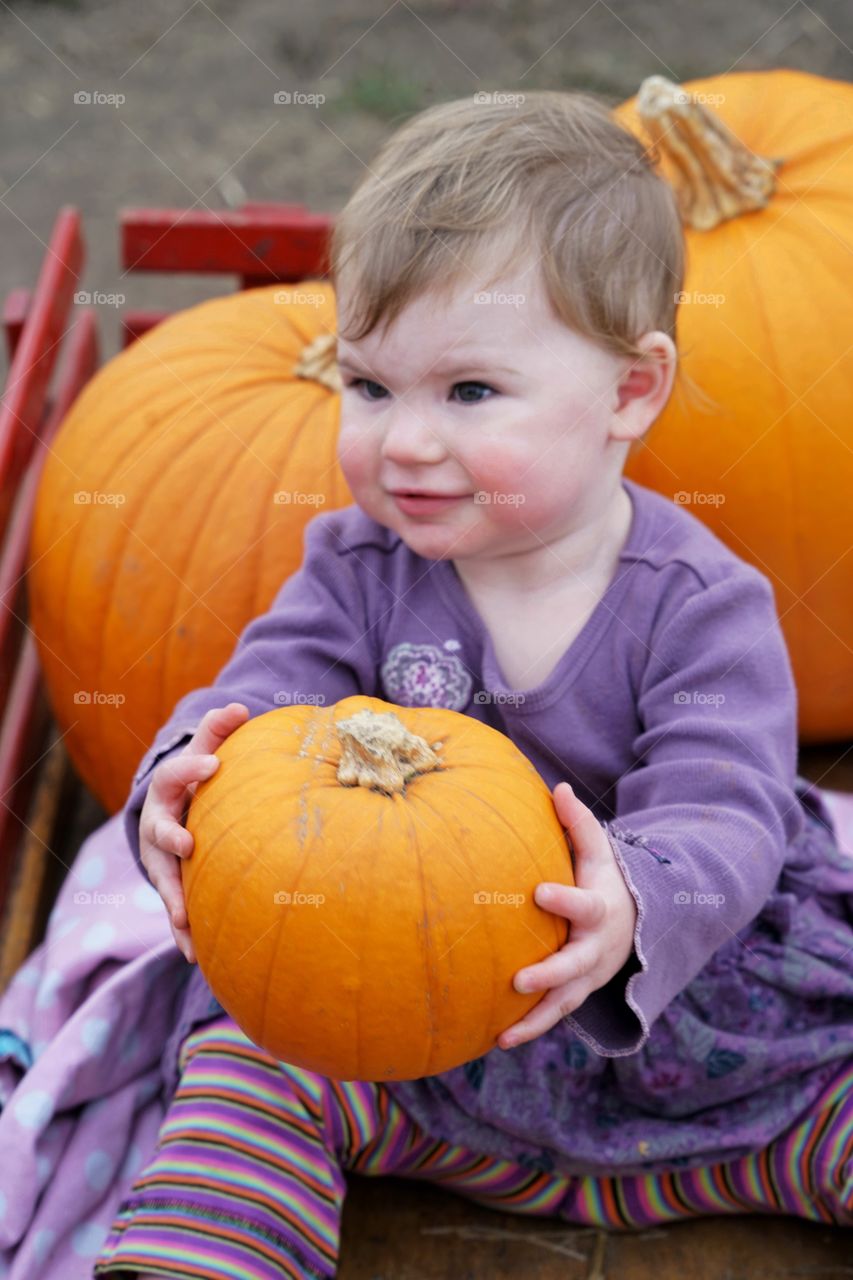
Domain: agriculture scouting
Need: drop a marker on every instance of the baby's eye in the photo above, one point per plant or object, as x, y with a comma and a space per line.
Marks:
477, 386
373, 391
368, 386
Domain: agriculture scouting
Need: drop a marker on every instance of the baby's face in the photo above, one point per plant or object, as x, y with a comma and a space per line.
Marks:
489, 401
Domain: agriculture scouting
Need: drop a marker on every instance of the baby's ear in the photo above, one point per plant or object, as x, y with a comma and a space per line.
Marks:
638, 381
645, 386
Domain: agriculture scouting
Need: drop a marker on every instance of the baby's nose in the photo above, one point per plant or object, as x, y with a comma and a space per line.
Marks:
409, 439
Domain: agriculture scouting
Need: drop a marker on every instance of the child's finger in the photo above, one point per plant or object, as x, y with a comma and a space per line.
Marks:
586, 833
216, 725
574, 961
183, 942
584, 907
553, 1006
172, 837
164, 873
570, 807
172, 778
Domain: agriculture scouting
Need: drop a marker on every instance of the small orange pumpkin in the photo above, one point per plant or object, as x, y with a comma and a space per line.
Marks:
360, 894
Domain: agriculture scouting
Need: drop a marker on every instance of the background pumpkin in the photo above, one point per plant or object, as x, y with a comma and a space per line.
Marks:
181, 442
308, 889
765, 332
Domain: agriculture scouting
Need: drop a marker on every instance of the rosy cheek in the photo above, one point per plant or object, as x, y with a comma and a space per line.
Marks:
355, 456
501, 475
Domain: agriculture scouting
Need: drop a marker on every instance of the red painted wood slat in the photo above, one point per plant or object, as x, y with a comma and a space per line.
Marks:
262, 243
15, 311
22, 408
25, 711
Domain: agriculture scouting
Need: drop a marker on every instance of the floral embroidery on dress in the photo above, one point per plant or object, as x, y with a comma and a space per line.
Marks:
422, 675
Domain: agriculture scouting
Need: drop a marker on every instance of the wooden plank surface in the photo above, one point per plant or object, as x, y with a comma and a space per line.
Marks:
397, 1229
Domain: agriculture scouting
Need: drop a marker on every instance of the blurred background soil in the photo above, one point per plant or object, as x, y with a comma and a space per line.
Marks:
199, 126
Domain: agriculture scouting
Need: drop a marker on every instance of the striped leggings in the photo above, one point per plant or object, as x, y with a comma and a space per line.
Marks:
247, 1182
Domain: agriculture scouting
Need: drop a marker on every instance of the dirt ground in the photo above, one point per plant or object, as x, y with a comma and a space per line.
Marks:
199, 125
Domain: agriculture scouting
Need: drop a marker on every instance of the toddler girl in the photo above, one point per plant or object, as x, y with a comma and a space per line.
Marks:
506, 278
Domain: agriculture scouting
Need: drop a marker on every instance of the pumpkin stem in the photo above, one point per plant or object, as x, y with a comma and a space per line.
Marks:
378, 751
318, 360
714, 175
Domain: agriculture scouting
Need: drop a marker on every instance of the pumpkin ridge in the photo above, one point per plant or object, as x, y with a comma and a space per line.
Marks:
340, 808
284, 466
195, 542
196, 548
783, 419
559, 935
214, 946
493, 950
223, 798
157, 408
259, 535
498, 814
297, 874
95, 746
319, 408
306, 432
431, 963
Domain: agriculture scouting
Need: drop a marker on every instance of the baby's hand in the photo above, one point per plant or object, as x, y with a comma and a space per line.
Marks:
602, 916
162, 836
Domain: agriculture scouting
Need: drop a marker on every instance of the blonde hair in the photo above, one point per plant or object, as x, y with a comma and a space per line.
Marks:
556, 174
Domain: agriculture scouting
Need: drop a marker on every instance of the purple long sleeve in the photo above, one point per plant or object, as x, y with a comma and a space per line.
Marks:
706, 811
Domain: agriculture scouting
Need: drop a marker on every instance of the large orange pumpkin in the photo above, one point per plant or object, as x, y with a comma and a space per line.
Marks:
171, 510
765, 331
360, 893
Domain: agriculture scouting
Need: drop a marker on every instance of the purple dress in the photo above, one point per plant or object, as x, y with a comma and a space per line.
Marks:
673, 715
